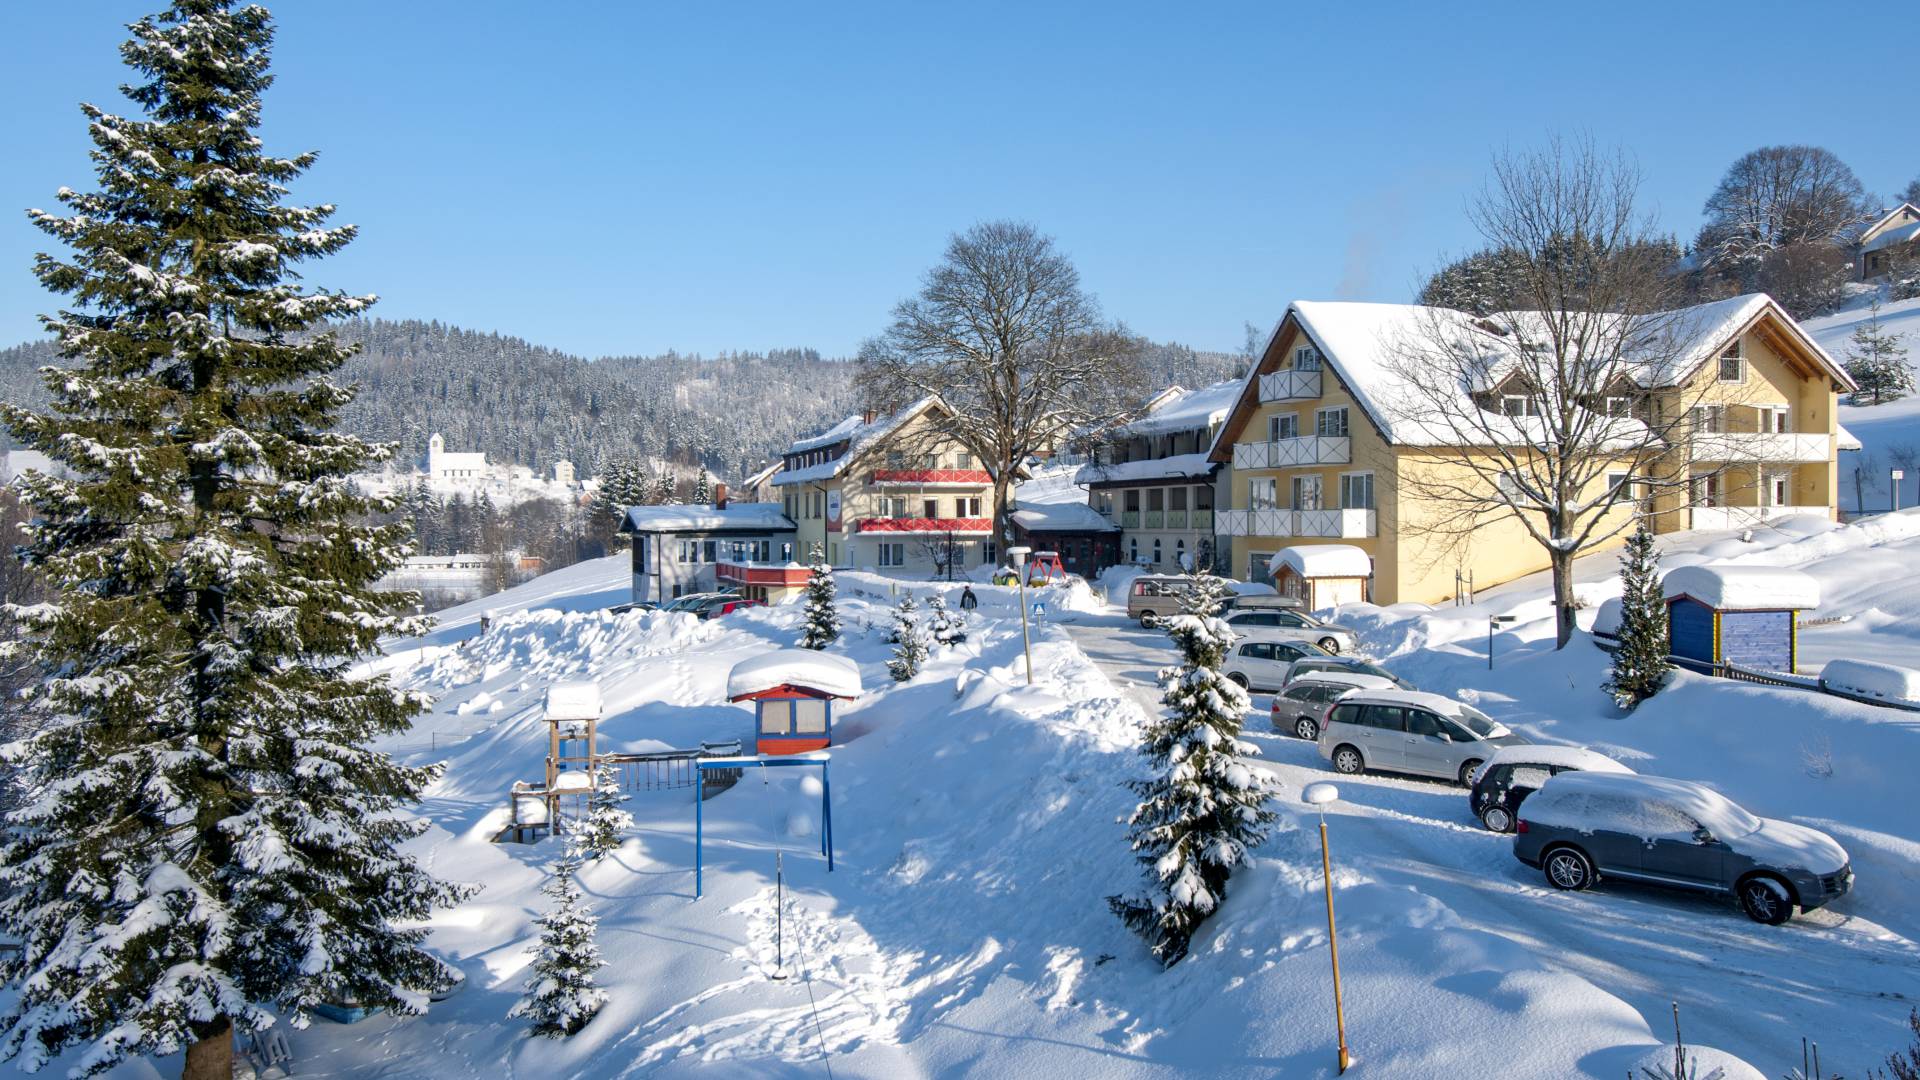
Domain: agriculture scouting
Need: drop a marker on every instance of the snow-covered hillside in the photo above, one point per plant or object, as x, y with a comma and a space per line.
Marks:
1889, 434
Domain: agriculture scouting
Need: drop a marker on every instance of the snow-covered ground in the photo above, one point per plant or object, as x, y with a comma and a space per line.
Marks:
964, 931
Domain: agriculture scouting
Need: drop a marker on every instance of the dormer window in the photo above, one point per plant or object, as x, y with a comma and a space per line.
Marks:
1733, 369
1515, 405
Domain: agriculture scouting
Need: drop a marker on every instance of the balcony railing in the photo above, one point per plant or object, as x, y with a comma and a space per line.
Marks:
928, 477
1155, 519
923, 525
1176, 519
1344, 524
1202, 520
1746, 517
1306, 450
1289, 386
1780, 446
1129, 519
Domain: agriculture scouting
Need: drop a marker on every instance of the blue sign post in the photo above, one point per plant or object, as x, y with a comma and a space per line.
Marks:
819, 758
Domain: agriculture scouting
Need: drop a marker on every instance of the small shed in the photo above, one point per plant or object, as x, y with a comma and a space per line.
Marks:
793, 691
1322, 575
1744, 615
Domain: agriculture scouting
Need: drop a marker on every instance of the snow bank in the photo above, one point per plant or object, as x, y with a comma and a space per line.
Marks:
1702, 1061
573, 701
821, 671
1322, 560
1868, 678
1606, 617
1744, 588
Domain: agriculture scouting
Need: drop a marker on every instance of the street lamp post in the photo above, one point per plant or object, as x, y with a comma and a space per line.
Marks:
1319, 796
1019, 557
1493, 621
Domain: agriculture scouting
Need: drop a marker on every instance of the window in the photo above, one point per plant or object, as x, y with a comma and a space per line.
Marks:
1293, 619
1511, 486
1133, 550
1619, 406
1710, 419
1732, 368
896, 459
1617, 484
1706, 491
1156, 551
1306, 492
1527, 776
1780, 490
809, 716
963, 460
1778, 420
1180, 553
1385, 717
893, 554
930, 461
1306, 358
710, 551
776, 716
893, 506
1356, 491
1331, 423
1283, 426
1421, 722
1262, 493
967, 508
1257, 650
1344, 714
930, 508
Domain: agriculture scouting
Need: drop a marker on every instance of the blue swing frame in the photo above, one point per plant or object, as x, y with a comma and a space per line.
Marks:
816, 757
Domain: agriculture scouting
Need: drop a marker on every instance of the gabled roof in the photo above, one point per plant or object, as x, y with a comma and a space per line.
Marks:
758, 517
857, 433
1358, 343
1899, 234
1177, 409
1887, 217
762, 476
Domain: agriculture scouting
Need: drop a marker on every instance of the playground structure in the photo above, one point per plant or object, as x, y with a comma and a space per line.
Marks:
739, 764
1045, 568
793, 691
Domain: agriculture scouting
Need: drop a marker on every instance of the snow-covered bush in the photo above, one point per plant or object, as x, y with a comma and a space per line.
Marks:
947, 627
822, 625
910, 641
1205, 806
562, 995
599, 832
1640, 665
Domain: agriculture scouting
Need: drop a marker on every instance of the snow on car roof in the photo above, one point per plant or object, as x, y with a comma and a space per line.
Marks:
573, 701
1743, 588
1323, 560
1445, 706
1346, 678
1561, 757
1569, 800
820, 671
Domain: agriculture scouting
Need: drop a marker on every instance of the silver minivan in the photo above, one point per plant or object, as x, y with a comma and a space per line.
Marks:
1406, 731
1154, 596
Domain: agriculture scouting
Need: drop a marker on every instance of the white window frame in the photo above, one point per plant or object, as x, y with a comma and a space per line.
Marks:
1509, 401
1734, 353
967, 506
1617, 485
1512, 488
1263, 493
892, 554
1298, 486
1347, 481
1706, 490
1780, 489
1321, 427
1619, 405
1307, 358
1277, 421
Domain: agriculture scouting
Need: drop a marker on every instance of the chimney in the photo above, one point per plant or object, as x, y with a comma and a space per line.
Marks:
869, 416
719, 496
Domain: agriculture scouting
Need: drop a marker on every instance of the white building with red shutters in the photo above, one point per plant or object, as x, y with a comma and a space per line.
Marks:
889, 494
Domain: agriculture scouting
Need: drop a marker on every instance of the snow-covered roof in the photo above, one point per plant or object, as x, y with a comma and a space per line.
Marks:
1731, 587
1184, 410
1369, 345
1561, 757
1195, 466
573, 701
761, 477
1322, 560
820, 671
857, 433
1060, 517
1899, 234
1891, 213
15, 462
689, 518
1844, 439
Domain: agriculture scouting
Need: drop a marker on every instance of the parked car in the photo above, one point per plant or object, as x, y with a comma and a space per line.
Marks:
691, 601
1329, 636
1301, 705
1155, 595
717, 606
1308, 665
1515, 772
1584, 827
1406, 731
1260, 663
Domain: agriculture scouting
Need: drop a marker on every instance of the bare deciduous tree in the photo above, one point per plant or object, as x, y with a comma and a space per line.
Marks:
1526, 412
1781, 195
1002, 332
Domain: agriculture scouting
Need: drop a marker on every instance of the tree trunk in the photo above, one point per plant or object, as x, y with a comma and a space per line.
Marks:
212, 1057
1563, 598
1002, 530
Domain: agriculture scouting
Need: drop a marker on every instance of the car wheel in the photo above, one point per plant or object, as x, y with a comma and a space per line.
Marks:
1766, 899
1347, 760
1568, 868
1306, 728
1331, 645
1468, 768
1237, 679
1146, 620
1497, 818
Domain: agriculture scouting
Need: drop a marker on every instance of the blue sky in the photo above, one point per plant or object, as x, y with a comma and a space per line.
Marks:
632, 178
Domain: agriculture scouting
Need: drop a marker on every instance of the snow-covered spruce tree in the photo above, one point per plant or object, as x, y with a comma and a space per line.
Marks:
945, 626
910, 641
561, 993
822, 616
599, 832
210, 842
702, 489
1640, 663
1205, 806
1878, 362
665, 491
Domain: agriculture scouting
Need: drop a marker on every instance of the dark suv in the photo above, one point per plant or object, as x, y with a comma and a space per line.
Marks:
1583, 827
1515, 772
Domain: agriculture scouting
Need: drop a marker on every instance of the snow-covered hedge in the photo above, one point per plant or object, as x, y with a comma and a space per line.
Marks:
1869, 679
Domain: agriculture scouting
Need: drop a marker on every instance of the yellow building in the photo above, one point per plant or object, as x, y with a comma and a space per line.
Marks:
889, 493
1324, 448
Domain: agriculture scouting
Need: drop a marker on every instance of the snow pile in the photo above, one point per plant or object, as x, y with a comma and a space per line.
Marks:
1322, 560
807, 668
1744, 588
1868, 678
